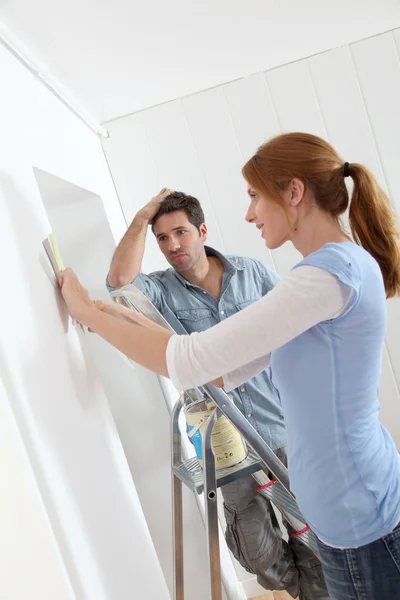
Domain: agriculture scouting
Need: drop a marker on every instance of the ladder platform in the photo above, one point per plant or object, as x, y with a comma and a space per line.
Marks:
191, 473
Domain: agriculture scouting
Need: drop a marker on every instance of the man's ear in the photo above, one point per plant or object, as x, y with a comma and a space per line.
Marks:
203, 232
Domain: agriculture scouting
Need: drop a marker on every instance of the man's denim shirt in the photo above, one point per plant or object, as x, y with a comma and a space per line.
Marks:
189, 308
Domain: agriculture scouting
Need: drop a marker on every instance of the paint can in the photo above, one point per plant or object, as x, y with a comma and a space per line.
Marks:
227, 444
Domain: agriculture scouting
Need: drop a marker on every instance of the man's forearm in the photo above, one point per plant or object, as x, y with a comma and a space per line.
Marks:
127, 259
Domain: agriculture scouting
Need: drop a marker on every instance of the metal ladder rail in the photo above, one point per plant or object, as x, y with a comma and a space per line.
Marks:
211, 507
278, 490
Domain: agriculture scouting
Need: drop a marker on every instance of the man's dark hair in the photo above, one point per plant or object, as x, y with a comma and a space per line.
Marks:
180, 201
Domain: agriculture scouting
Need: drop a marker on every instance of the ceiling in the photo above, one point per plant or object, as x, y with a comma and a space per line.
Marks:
122, 56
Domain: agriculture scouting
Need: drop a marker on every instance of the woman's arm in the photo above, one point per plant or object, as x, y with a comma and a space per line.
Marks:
306, 297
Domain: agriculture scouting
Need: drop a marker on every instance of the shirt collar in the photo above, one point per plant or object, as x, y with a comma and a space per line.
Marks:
229, 266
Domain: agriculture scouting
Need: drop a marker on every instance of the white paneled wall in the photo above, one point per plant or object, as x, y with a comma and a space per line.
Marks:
176, 157
349, 95
380, 86
294, 100
249, 124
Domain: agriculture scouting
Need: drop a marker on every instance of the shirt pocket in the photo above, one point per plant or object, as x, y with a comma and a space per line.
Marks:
196, 319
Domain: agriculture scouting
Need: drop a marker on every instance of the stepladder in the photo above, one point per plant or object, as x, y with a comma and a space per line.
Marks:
270, 475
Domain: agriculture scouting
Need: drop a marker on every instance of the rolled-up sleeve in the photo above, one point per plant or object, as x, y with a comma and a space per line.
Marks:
149, 285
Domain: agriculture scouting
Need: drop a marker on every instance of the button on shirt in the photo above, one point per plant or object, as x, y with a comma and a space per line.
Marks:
189, 308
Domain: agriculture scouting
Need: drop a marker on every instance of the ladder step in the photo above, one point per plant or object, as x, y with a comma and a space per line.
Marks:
191, 473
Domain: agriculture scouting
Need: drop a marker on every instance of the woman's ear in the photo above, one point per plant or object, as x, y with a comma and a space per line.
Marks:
294, 192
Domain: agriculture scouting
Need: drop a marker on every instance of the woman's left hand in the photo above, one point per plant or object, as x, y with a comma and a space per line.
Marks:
79, 304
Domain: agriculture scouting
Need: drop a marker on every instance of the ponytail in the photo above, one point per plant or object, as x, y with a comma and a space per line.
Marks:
374, 225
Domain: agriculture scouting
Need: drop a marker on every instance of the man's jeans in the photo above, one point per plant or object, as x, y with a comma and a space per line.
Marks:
371, 572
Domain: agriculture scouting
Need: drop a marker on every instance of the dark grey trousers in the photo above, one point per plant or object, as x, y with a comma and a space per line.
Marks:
255, 539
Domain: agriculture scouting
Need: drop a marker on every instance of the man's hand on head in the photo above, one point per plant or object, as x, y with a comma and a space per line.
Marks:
149, 211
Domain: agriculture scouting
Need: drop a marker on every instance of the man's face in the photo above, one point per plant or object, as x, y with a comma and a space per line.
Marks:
179, 240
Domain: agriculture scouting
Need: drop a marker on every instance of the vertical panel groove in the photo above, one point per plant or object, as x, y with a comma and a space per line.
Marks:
241, 154
390, 363
368, 119
317, 99
232, 123
265, 74
151, 153
202, 173
395, 44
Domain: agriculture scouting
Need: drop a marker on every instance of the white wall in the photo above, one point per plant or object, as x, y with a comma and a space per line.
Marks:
70, 502
134, 395
21, 509
198, 144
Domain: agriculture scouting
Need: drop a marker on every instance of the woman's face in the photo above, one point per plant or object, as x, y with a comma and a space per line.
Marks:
276, 220
269, 217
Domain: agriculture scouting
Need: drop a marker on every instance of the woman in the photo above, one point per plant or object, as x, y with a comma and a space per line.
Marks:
321, 330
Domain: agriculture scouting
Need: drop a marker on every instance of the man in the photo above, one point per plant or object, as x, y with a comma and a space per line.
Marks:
202, 288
